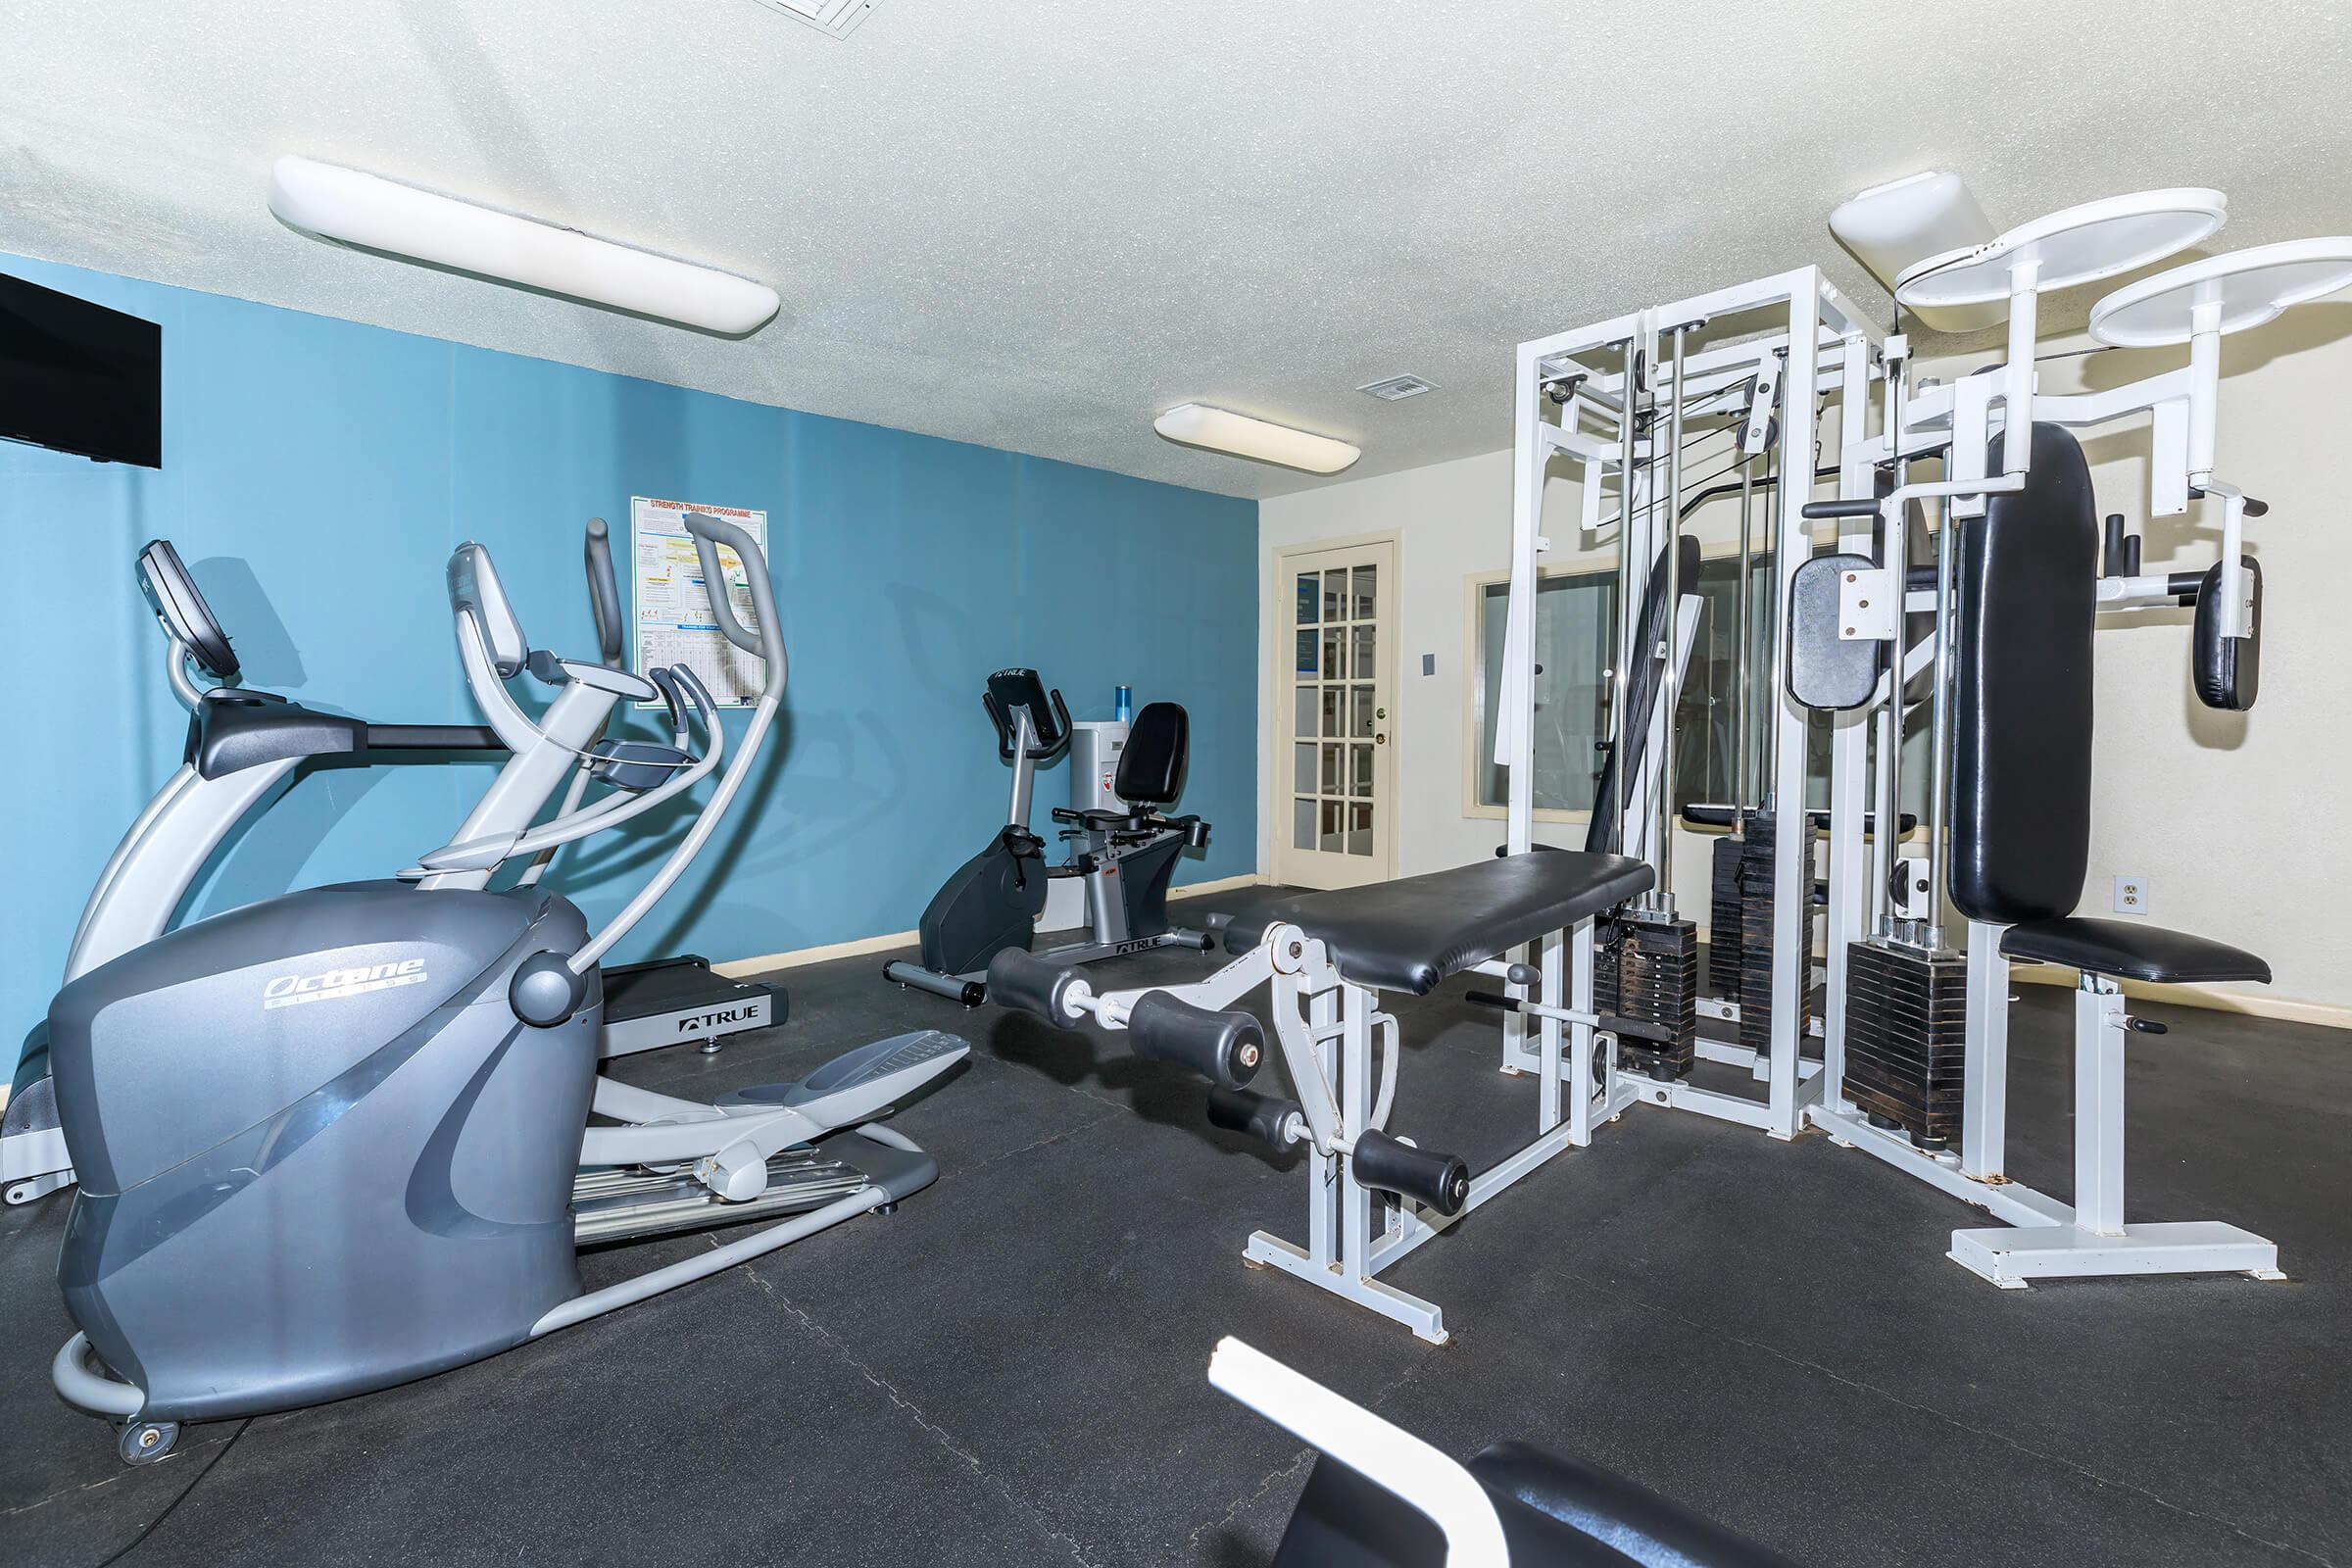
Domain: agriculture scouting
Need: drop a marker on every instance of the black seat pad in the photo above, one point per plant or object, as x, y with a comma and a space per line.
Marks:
1554, 1514
1150, 770
1637, 1524
2130, 949
1410, 934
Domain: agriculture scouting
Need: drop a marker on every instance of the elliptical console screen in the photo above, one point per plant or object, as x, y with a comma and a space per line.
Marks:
173, 594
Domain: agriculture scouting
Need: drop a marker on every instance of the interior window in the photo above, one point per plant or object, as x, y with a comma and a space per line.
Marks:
1574, 636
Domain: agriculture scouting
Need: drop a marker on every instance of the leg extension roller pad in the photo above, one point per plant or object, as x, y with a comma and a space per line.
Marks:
1025, 982
1225, 1048
1264, 1118
1437, 1181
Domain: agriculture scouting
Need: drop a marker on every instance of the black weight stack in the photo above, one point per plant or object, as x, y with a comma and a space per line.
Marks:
1724, 914
1755, 939
1906, 1038
1646, 970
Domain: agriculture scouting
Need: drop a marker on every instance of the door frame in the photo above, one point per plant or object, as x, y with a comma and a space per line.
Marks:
1275, 697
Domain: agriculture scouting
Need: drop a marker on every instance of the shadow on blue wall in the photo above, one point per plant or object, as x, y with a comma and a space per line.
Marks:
318, 473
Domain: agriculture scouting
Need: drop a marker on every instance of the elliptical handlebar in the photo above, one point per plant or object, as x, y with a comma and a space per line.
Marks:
574, 821
767, 642
604, 596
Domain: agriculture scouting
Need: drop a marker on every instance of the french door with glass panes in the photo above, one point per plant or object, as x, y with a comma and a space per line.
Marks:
1335, 776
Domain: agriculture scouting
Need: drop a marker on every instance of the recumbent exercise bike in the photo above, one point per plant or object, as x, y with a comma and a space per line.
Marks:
1127, 857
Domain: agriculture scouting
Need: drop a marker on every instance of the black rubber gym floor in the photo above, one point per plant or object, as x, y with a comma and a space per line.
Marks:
1010, 1369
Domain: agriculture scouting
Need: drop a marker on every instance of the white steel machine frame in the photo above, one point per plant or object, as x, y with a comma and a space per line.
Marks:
2041, 1237
1828, 350
1325, 1025
1824, 350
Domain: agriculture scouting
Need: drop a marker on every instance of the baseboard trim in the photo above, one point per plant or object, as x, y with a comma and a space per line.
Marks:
744, 968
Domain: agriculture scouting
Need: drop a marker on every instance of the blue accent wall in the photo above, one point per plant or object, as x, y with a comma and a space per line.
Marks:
316, 475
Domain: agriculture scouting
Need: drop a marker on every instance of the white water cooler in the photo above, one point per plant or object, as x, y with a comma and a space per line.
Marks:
1095, 745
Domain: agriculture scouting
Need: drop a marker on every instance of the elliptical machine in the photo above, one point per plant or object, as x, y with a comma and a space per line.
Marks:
243, 745
338, 1139
1127, 857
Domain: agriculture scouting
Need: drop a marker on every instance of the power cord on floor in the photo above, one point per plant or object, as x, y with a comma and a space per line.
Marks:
149, 1529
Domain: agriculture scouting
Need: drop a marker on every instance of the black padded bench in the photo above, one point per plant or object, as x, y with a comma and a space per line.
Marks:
1327, 956
1409, 934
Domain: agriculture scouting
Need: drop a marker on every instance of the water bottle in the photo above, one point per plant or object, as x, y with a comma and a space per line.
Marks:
1123, 704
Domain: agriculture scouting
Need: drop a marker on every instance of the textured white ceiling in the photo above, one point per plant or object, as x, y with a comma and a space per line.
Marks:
1034, 223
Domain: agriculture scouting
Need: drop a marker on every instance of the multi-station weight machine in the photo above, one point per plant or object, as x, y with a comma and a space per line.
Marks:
1596, 961
1614, 399
1987, 644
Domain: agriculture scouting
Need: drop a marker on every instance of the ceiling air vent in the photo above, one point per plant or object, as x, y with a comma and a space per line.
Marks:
836, 17
1396, 388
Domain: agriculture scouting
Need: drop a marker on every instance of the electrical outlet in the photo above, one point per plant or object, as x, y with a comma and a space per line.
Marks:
2130, 894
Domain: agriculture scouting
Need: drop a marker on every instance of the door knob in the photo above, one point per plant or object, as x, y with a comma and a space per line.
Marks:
1381, 739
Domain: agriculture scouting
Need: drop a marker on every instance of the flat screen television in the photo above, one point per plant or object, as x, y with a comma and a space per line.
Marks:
78, 376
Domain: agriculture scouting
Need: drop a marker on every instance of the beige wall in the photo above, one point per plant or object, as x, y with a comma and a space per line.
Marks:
1452, 522
2232, 819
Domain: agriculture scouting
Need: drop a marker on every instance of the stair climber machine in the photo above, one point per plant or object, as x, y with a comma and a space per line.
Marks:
1126, 856
245, 747
339, 1139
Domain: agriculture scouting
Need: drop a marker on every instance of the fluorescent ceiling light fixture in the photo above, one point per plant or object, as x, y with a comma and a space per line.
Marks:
1892, 227
383, 215
1221, 430
840, 18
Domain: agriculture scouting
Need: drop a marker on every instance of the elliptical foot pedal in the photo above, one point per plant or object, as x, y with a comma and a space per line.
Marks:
893, 1067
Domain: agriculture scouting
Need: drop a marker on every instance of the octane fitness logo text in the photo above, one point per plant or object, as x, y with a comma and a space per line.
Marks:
329, 985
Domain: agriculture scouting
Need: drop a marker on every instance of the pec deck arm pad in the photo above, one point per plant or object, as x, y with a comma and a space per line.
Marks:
2229, 670
1828, 671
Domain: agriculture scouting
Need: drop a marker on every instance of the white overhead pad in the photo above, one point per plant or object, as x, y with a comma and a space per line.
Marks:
2079, 245
2251, 287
